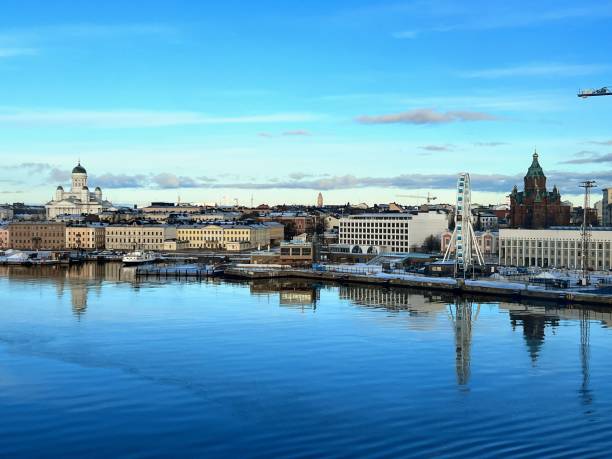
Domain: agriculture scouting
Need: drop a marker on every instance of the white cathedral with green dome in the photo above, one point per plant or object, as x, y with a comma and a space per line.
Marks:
79, 200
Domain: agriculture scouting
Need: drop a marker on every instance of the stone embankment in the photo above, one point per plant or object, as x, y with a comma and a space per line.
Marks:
515, 291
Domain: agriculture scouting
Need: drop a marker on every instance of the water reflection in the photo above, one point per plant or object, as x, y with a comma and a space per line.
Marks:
77, 280
462, 314
299, 294
585, 356
533, 320
418, 311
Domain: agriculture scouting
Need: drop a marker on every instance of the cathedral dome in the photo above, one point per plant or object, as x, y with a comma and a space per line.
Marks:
78, 169
60, 188
535, 170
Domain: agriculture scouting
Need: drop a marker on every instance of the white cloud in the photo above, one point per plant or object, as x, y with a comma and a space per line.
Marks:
406, 34
15, 52
426, 116
534, 70
138, 118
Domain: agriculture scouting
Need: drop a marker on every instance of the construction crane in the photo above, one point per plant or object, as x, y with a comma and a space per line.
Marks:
429, 197
605, 91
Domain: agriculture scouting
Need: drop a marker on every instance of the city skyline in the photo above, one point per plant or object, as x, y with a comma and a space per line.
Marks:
361, 101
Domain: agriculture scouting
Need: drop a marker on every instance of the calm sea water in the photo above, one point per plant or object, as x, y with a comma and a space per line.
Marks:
95, 364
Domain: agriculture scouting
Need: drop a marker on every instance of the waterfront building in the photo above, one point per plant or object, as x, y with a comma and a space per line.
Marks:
79, 200
390, 232
138, 237
232, 237
535, 207
85, 237
4, 237
172, 245
559, 247
37, 235
297, 252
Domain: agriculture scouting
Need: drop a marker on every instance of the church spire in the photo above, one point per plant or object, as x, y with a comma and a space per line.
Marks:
535, 170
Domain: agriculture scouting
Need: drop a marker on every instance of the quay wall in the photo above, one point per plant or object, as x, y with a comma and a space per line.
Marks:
455, 286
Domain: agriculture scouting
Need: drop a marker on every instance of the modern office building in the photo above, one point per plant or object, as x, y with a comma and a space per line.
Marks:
390, 232
559, 247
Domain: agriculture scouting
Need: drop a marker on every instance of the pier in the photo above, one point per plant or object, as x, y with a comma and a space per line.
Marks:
176, 271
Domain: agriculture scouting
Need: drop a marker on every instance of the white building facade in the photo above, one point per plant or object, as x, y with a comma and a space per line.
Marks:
138, 237
555, 247
79, 200
390, 232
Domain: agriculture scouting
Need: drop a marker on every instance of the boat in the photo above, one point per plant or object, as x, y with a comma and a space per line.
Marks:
139, 257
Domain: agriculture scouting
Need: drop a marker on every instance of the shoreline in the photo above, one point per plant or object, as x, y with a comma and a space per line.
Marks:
455, 286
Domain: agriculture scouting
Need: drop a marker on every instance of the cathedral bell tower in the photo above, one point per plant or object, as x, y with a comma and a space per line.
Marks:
535, 180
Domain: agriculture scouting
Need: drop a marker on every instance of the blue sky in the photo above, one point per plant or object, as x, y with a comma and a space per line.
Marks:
360, 100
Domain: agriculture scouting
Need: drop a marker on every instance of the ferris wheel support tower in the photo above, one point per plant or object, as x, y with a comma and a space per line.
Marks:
463, 243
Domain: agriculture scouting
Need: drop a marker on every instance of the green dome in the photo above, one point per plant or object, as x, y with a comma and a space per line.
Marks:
78, 169
535, 170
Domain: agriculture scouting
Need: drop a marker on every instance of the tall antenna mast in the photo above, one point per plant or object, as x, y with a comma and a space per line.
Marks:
586, 231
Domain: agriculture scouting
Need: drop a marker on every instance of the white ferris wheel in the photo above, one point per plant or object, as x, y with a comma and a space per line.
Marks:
463, 244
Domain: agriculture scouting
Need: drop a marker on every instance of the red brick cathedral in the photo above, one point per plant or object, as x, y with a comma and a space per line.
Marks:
535, 207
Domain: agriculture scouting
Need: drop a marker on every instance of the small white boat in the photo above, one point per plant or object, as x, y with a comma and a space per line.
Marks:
139, 257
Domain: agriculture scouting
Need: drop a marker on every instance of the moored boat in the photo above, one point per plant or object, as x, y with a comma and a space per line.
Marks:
139, 257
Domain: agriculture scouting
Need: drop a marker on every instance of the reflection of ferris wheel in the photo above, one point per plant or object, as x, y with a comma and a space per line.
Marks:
463, 241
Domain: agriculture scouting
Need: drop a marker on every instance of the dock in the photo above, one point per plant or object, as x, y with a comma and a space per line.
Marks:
176, 271
510, 290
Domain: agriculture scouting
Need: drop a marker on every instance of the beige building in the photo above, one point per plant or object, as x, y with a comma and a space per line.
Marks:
4, 237
277, 232
138, 237
555, 247
89, 237
225, 237
296, 252
37, 236
172, 245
